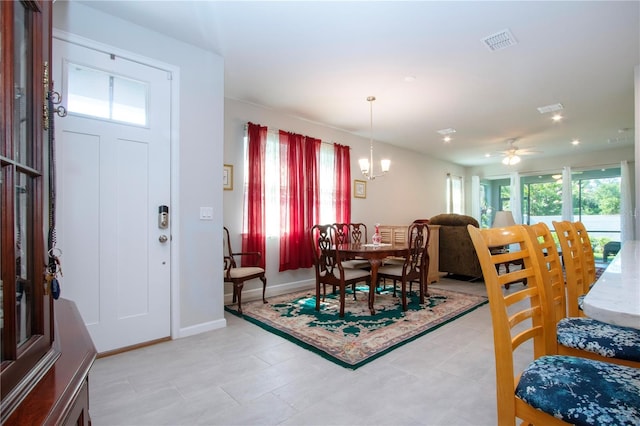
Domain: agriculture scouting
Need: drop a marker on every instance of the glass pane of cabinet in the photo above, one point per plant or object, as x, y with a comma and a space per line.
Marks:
24, 279
23, 92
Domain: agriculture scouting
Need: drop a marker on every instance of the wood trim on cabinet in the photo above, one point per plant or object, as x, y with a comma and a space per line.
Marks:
62, 391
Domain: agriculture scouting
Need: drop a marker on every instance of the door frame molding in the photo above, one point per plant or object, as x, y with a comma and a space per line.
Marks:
174, 124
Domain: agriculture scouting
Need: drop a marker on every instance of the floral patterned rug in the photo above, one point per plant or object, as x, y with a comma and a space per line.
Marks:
358, 338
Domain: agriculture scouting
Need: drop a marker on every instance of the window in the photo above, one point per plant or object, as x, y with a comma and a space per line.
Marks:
292, 182
455, 194
273, 189
596, 201
102, 95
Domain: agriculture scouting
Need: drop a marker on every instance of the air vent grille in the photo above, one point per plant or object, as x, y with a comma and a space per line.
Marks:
499, 40
445, 132
550, 108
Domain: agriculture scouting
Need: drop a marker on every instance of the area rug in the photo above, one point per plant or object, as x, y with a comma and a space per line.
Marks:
359, 337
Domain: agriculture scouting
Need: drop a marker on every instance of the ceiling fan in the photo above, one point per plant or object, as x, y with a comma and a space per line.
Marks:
513, 153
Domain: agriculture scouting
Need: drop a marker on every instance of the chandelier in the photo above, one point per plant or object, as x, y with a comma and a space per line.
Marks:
366, 164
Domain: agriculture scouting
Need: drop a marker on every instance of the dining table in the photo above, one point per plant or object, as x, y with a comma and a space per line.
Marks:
615, 296
375, 254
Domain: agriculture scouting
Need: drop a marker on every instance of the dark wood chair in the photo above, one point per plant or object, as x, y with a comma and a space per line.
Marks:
352, 233
328, 265
237, 275
358, 233
415, 266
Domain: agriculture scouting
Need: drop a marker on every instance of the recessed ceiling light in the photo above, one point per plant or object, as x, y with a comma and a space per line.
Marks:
556, 117
447, 139
487, 155
575, 142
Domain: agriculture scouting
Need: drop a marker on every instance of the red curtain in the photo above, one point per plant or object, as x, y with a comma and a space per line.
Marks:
295, 207
299, 195
342, 183
254, 238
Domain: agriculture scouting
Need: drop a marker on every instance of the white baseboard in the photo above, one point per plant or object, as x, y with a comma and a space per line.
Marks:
272, 290
201, 328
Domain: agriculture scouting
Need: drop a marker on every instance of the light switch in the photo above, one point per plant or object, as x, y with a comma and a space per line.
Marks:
206, 213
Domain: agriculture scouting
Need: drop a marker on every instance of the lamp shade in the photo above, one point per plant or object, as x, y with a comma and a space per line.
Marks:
503, 219
364, 165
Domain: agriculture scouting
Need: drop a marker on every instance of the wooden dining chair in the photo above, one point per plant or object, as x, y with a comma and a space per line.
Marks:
580, 336
552, 389
345, 235
358, 232
328, 265
588, 259
237, 275
572, 256
415, 266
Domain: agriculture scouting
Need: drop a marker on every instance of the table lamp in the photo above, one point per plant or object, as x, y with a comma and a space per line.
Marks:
503, 219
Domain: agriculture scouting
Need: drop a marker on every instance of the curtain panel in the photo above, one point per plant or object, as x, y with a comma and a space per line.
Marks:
298, 173
626, 205
342, 183
567, 195
253, 237
306, 173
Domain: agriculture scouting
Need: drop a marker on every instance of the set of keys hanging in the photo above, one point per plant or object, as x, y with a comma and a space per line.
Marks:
52, 272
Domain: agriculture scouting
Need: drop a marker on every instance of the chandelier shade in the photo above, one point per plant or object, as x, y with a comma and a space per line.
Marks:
366, 164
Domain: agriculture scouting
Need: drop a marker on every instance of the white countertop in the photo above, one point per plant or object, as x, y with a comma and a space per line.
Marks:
615, 297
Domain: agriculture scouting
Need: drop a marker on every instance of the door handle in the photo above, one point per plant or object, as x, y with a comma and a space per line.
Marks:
163, 238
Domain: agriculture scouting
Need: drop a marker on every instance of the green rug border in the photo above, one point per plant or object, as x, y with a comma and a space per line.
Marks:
341, 363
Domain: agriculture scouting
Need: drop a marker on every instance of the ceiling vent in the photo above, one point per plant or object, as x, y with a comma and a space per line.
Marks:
499, 40
550, 108
445, 132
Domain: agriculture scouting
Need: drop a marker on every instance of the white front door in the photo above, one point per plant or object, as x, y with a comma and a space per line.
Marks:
113, 174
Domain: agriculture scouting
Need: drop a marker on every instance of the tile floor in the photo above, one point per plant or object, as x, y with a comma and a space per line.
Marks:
243, 375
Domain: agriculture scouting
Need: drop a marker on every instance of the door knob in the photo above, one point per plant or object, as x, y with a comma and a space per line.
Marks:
163, 238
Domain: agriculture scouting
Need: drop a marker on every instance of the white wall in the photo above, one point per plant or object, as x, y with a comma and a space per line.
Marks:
414, 188
637, 154
199, 141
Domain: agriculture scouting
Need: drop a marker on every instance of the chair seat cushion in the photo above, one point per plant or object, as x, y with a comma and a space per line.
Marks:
582, 391
393, 270
588, 334
350, 274
355, 263
245, 271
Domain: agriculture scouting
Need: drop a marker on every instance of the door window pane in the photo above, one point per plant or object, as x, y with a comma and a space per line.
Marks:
99, 94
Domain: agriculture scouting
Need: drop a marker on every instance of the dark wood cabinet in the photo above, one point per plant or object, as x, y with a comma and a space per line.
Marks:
43, 370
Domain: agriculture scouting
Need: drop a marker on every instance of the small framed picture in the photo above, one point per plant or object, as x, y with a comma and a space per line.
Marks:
227, 177
360, 188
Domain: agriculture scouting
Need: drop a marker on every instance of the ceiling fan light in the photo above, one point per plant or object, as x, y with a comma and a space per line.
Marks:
510, 160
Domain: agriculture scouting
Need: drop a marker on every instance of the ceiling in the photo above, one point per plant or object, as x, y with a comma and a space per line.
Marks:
428, 67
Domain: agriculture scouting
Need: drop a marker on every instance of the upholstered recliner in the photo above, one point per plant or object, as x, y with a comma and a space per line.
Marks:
456, 251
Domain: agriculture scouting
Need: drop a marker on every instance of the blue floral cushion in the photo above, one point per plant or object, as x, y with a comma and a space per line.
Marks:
588, 334
582, 391
581, 302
